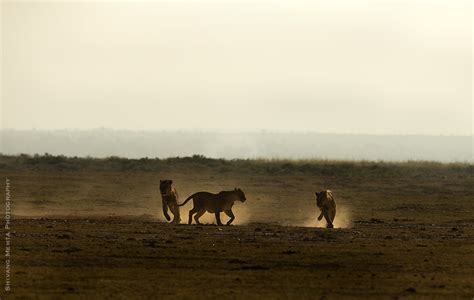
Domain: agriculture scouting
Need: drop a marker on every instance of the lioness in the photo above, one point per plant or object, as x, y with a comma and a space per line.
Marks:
169, 196
327, 205
214, 203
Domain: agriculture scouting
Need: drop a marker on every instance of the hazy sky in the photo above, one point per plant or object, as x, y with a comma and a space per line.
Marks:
326, 66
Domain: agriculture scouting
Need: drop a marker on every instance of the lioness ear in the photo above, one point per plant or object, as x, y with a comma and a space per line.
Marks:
235, 189
171, 181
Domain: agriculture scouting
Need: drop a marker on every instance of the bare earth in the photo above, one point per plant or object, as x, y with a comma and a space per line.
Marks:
100, 234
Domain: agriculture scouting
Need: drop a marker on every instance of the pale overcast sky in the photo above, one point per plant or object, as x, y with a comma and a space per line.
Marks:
382, 67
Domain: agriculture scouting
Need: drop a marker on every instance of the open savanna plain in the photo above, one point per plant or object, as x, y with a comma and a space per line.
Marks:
86, 228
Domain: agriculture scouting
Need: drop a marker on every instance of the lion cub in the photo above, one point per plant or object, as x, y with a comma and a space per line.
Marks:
327, 205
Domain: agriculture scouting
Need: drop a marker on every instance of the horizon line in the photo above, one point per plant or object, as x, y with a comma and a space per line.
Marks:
234, 131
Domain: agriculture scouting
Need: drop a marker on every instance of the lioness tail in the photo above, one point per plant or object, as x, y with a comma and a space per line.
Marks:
186, 201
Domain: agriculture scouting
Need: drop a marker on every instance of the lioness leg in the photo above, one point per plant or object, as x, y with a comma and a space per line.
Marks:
320, 216
165, 210
332, 213
191, 213
218, 218
231, 215
175, 210
328, 218
198, 215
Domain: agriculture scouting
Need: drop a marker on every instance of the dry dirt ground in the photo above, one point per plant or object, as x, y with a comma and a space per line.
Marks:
99, 234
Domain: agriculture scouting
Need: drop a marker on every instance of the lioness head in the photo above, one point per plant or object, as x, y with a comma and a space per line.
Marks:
320, 197
165, 186
241, 194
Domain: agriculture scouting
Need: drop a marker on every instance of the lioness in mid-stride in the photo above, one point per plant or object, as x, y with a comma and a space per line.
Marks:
327, 205
169, 197
214, 203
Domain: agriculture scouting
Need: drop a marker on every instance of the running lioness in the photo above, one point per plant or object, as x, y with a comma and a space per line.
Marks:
214, 203
169, 197
327, 205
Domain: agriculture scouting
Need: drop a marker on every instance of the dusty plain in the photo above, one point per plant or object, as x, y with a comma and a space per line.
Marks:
88, 228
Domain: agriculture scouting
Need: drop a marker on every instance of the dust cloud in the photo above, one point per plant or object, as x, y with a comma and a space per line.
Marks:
269, 212
118, 195
342, 220
242, 214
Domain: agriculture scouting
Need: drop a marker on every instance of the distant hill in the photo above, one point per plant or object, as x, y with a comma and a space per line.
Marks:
136, 144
